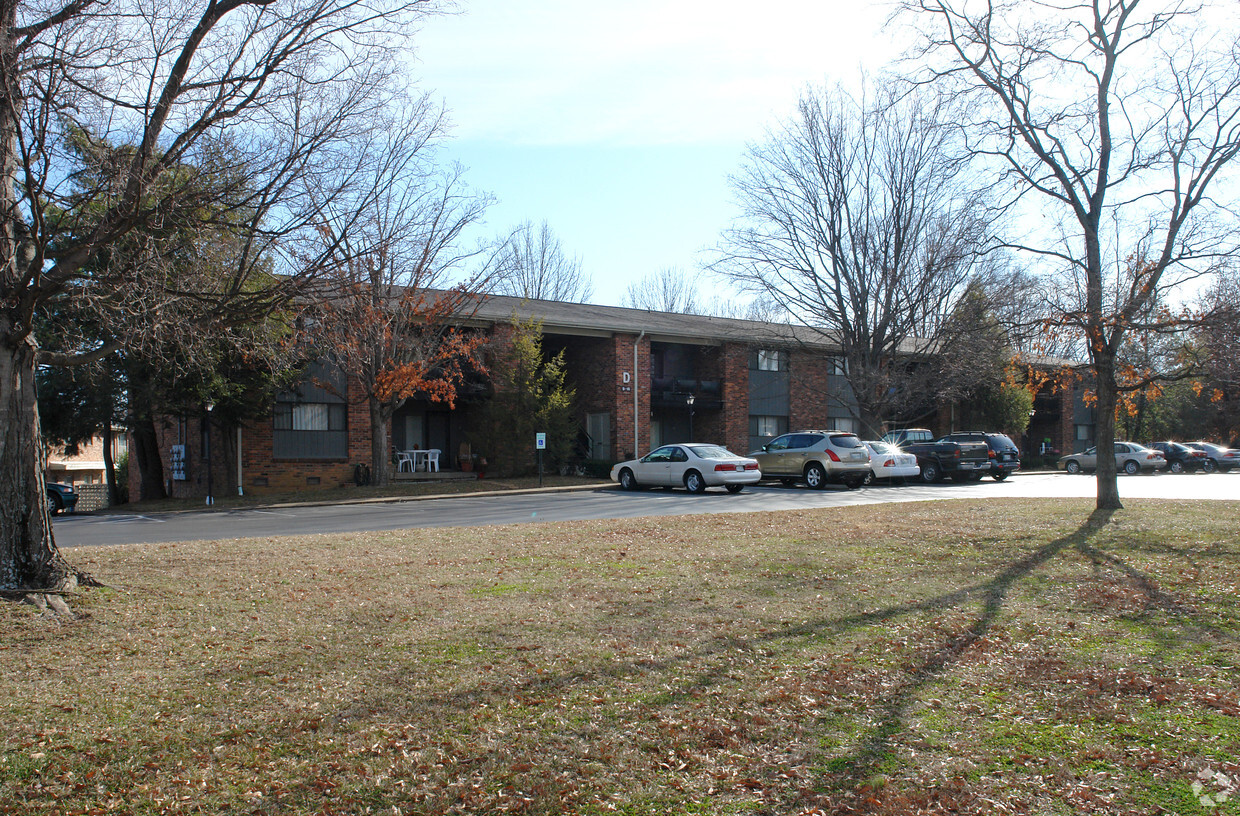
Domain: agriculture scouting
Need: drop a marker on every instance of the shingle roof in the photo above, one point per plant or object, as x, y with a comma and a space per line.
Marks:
593, 320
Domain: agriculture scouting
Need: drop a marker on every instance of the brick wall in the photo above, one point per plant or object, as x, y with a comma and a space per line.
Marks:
264, 473
1067, 422
596, 369
622, 396
810, 388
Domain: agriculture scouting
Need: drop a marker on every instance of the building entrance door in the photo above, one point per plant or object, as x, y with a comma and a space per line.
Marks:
598, 426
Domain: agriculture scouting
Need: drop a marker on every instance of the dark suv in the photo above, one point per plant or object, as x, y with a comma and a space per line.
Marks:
1004, 455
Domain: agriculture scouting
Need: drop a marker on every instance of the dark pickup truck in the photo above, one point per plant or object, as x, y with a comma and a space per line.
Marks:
1004, 455
964, 461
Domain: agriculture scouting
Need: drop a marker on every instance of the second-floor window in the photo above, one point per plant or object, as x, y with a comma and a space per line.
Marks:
769, 360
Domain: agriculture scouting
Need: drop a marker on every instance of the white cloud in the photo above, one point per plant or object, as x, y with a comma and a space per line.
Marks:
643, 72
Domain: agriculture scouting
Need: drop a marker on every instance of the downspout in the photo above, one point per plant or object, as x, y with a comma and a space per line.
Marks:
636, 451
240, 489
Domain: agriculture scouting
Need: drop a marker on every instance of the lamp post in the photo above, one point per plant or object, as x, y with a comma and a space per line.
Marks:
207, 454
689, 402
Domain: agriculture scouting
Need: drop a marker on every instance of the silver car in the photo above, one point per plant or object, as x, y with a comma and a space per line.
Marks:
1130, 458
889, 463
695, 465
816, 458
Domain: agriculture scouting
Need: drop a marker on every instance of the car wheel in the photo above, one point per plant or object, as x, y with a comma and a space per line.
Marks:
1208, 466
734, 488
1177, 467
694, 482
55, 504
1003, 474
1073, 467
815, 476
930, 472
869, 479
627, 480
854, 482
1131, 468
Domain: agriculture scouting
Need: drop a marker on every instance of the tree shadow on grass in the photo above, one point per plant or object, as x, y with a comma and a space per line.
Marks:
878, 747
850, 773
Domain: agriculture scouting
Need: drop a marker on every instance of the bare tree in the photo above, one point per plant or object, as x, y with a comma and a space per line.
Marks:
855, 221
396, 292
668, 290
268, 93
532, 264
1109, 126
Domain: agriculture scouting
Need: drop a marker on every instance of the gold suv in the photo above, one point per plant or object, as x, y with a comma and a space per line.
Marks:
816, 458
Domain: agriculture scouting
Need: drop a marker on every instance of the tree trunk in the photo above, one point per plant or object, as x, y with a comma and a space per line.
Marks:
380, 447
1108, 484
109, 466
29, 558
145, 454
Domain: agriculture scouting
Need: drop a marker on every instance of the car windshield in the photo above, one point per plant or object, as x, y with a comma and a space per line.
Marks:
712, 452
883, 447
845, 440
1176, 446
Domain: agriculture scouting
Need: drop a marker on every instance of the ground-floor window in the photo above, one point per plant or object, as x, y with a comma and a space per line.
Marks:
310, 430
764, 428
1084, 438
312, 421
846, 424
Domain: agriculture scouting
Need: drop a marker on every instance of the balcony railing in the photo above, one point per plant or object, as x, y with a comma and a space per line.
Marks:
669, 391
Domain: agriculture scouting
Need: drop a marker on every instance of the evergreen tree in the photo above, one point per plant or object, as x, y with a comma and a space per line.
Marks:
530, 398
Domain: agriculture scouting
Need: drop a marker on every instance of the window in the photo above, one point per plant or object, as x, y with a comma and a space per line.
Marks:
843, 423
312, 422
767, 425
768, 360
838, 366
783, 443
310, 416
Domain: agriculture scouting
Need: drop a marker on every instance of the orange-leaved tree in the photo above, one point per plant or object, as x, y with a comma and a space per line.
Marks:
392, 314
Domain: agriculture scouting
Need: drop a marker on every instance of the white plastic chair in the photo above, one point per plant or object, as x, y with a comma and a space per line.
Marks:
432, 460
404, 462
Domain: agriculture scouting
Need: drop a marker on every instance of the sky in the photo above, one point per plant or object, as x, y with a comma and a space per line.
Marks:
619, 123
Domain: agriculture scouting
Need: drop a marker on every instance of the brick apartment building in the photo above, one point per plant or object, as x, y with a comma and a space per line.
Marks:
634, 372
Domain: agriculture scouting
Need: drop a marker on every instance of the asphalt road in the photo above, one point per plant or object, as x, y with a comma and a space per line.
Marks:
599, 503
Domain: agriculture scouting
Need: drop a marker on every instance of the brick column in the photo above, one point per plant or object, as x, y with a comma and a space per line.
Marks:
624, 421
735, 391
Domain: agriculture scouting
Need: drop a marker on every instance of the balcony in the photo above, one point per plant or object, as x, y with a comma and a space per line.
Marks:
669, 392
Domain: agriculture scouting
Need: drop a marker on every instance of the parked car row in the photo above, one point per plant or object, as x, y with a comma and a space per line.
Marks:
818, 458
1175, 457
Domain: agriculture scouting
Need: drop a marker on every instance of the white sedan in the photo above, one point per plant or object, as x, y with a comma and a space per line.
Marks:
695, 465
889, 462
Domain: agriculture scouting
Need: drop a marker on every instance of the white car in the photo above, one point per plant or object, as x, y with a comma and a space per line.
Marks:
696, 465
889, 462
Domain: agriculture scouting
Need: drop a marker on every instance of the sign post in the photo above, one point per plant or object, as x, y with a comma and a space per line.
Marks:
540, 442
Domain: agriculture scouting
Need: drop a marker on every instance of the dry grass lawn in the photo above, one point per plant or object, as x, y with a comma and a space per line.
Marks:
955, 657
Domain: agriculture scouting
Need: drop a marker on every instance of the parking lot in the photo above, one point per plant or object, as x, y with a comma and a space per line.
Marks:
605, 501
